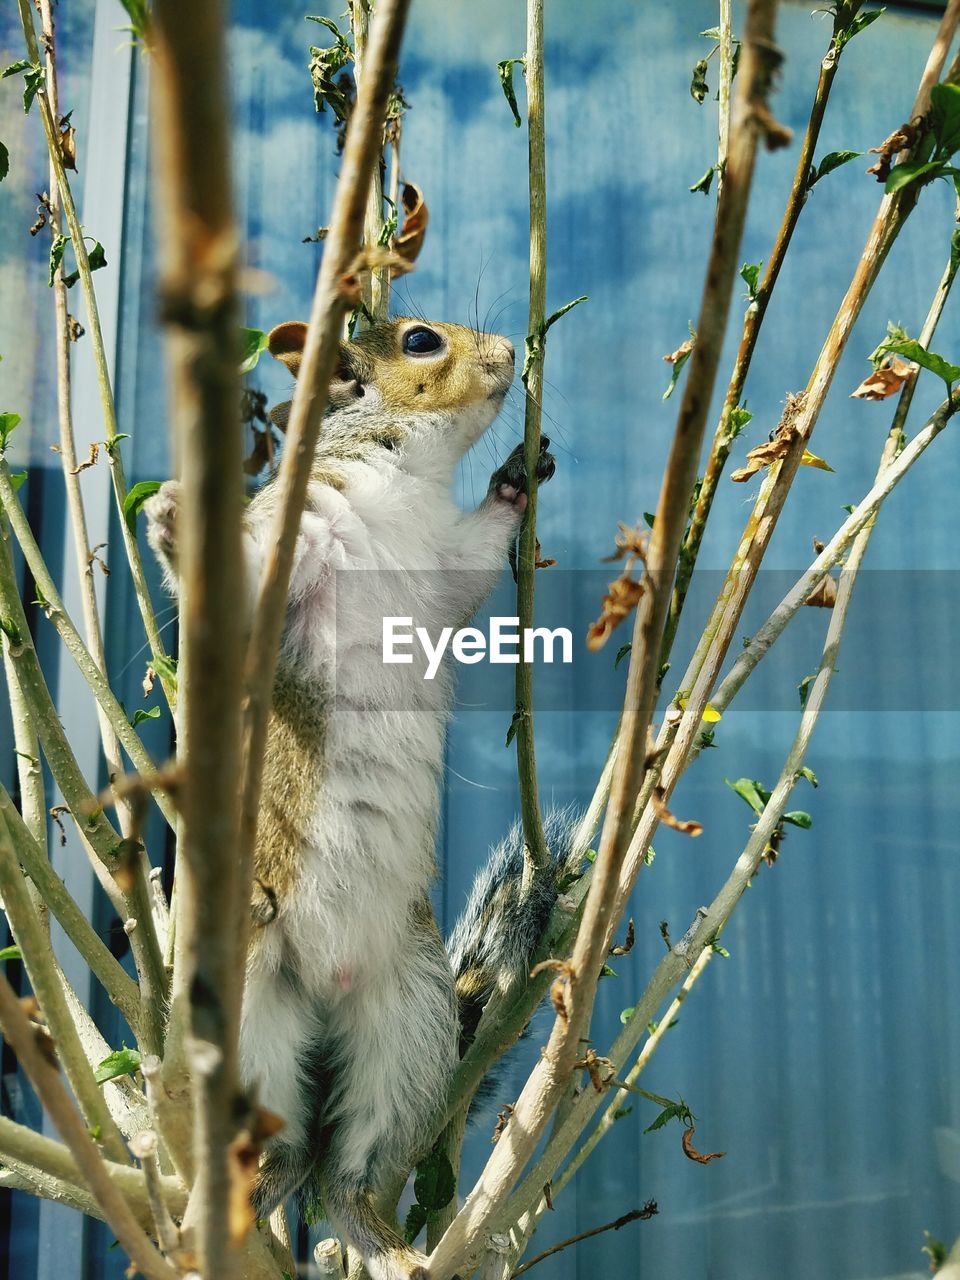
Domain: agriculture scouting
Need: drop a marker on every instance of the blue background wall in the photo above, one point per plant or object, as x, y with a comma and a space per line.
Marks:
822, 1055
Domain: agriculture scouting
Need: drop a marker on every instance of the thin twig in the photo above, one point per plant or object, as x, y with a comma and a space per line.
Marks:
199, 246
114, 979
85, 557
376, 284
752, 323
110, 856
535, 845
617, 1223
723, 92
90, 668
621, 1097
54, 1174
44, 1077
107, 403
34, 943
363, 146
462, 1244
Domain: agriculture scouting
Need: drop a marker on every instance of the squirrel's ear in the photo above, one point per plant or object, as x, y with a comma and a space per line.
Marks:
286, 343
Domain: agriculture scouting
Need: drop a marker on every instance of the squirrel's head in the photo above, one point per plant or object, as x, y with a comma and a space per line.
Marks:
424, 391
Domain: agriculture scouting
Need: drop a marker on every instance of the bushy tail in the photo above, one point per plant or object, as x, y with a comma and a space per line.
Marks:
502, 925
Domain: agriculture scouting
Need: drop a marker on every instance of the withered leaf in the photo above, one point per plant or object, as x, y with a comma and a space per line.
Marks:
687, 827
408, 243
901, 138
690, 1151
89, 462
825, 596
885, 381
243, 1160
620, 600
763, 455
67, 144
683, 350
503, 1119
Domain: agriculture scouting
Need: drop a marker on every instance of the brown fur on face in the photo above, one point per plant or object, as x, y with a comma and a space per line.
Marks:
469, 368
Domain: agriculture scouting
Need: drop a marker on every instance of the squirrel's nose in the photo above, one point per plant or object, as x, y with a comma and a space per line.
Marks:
502, 349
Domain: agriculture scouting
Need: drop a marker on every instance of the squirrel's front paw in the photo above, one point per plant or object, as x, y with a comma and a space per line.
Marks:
509, 482
161, 512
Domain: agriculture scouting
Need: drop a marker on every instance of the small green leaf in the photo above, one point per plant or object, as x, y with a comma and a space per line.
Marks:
514, 726
849, 508
750, 275
649, 518
751, 791
954, 257
57, 246
591, 855
122, 1062
912, 350
18, 478
945, 118
797, 818
737, 420
151, 713
717, 950
32, 84
138, 11
860, 23
675, 1111
10, 953
253, 342
833, 160
679, 361
621, 654
416, 1221
505, 71
7, 423
903, 175
15, 68
96, 257
562, 311
435, 1184
649, 856
627, 1014
810, 776
704, 184
608, 972
135, 500
698, 82
4, 162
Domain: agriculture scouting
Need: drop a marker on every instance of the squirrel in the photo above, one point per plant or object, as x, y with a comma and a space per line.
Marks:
353, 1013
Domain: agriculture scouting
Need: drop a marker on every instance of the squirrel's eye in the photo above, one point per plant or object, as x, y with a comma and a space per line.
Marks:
421, 342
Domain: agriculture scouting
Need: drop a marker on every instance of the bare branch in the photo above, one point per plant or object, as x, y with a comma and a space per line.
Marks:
117, 725
634, 1215
459, 1247
107, 403
117, 983
34, 943
111, 859
363, 146
198, 291
535, 845
46, 1080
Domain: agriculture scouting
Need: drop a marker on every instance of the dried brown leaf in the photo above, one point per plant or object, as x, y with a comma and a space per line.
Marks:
67, 145
409, 241
90, 461
684, 349
626, 947
503, 1119
888, 150
825, 596
688, 827
885, 381
690, 1151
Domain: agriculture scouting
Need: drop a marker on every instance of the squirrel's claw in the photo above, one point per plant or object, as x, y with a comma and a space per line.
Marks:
509, 481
